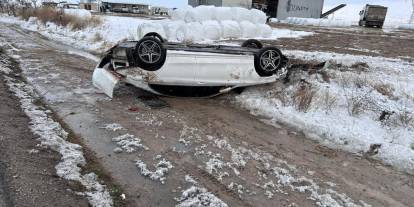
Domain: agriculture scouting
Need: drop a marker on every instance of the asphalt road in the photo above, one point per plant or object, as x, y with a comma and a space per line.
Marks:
228, 151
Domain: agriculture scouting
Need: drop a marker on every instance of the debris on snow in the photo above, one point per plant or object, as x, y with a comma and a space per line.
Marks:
161, 170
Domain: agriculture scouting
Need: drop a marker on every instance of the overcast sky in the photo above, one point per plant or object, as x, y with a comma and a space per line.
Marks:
399, 10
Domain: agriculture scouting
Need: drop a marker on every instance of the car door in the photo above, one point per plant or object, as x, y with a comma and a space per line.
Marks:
217, 69
179, 69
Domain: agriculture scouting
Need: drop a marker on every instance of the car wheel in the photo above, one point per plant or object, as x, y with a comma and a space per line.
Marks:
268, 61
252, 43
150, 54
155, 35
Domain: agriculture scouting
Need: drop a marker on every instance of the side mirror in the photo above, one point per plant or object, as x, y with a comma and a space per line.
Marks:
361, 12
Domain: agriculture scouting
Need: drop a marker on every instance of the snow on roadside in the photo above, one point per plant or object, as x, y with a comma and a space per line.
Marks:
384, 86
318, 22
52, 135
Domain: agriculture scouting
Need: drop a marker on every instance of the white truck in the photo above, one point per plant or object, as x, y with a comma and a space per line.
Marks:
373, 16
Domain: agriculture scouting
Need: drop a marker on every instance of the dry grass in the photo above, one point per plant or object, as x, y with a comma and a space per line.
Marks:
384, 89
329, 101
359, 102
405, 118
303, 97
97, 37
58, 17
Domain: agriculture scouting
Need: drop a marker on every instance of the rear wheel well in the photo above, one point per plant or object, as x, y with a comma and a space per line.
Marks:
155, 35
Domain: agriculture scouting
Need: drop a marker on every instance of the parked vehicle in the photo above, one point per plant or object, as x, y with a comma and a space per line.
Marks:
152, 62
373, 16
159, 11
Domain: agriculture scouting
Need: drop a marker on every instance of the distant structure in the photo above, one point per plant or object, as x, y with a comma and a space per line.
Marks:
89, 5
280, 9
229, 3
118, 6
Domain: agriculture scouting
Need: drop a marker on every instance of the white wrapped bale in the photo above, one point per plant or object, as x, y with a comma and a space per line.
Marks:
205, 13
258, 17
171, 28
146, 28
195, 32
222, 14
248, 29
78, 12
190, 32
230, 29
212, 30
179, 14
192, 16
264, 30
239, 14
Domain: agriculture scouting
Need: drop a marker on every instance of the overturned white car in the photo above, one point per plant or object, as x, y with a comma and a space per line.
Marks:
152, 62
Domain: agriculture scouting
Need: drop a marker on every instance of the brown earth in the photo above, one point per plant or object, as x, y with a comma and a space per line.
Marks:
354, 40
27, 172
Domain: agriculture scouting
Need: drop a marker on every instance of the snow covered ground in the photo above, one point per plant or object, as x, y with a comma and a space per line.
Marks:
361, 104
318, 22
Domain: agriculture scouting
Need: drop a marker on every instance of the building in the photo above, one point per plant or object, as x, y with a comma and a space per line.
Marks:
49, 3
296, 8
124, 6
89, 5
280, 9
68, 4
229, 3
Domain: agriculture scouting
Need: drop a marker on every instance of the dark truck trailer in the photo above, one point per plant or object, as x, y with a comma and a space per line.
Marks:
373, 16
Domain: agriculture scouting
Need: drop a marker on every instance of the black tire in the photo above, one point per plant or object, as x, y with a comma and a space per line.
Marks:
156, 35
360, 23
268, 61
252, 43
150, 54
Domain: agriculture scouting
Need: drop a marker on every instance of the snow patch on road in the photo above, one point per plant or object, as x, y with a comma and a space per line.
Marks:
198, 196
161, 170
52, 135
113, 127
274, 176
129, 143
